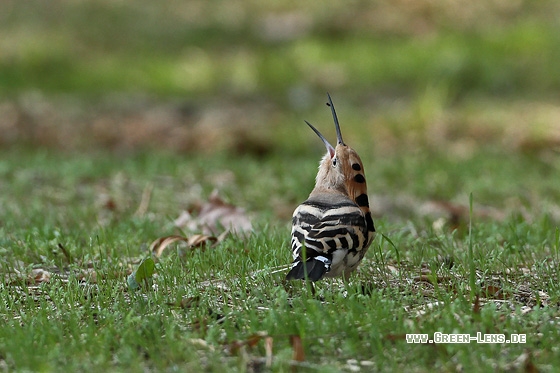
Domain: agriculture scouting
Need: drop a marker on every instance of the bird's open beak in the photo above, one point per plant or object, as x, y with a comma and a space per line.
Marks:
330, 148
339, 140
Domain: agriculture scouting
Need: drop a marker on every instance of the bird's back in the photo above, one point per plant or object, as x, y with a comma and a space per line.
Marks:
330, 235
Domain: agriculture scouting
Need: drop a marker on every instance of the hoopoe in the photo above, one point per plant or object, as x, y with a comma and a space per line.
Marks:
333, 228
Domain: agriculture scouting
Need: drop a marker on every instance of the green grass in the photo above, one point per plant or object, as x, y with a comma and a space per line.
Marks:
211, 310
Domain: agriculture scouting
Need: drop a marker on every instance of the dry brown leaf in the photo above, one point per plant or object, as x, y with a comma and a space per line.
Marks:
194, 241
523, 363
254, 339
110, 204
38, 276
395, 337
233, 347
529, 366
476, 305
199, 240
215, 216
494, 292
161, 243
297, 347
268, 350
251, 341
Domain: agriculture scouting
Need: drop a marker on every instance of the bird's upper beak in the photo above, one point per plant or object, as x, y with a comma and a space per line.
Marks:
336, 125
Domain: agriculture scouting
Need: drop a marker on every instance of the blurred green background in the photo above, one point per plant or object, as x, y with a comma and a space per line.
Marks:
240, 76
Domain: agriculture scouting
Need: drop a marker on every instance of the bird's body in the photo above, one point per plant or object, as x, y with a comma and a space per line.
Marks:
333, 228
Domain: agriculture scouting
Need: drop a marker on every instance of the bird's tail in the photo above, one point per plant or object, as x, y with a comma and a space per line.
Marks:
312, 269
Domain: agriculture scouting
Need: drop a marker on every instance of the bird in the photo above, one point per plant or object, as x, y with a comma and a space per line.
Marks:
333, 229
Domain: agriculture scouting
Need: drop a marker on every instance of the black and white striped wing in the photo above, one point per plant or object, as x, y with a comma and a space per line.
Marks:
324, 235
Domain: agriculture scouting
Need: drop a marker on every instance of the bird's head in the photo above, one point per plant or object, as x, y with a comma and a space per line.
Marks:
341, 168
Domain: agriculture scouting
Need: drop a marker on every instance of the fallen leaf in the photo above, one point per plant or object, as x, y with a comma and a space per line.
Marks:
494, 292
297, 347
194, 241
254, 339
395, 337
39, 275
215, 216
251, 341
523, 363
476, 305
529, 366
110, 204
233, 347
268, 350
199, 240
